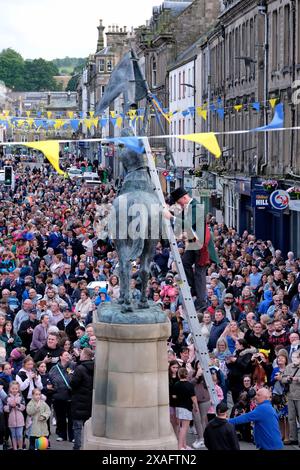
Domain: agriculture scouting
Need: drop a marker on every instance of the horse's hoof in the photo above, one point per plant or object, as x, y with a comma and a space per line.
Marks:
143, 305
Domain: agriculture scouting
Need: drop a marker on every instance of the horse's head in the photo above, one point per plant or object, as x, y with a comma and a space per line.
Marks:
131, 159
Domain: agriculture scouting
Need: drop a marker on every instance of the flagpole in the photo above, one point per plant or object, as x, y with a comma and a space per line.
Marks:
168, 149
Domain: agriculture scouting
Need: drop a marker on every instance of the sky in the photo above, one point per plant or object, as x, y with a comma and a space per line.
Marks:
58, 28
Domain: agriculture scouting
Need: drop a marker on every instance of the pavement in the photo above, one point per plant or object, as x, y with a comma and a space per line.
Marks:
65, 445
243, 445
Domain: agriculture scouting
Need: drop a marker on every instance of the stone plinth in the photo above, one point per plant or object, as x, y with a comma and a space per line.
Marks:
131, 394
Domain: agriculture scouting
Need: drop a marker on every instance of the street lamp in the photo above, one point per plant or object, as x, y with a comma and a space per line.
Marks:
190, 86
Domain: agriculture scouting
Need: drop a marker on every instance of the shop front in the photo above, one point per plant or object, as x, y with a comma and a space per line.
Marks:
270, 222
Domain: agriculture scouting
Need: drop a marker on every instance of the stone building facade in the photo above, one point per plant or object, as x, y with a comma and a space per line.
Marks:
59, 103
111, 46
100, 65
174, 26
252, 55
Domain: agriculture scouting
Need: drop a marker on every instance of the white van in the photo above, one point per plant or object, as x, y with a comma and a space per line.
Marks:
89, 175
93, 183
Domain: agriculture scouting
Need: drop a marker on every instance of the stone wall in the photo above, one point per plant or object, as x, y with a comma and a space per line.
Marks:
195, 21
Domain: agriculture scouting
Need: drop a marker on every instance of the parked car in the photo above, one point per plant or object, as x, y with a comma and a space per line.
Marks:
74, 172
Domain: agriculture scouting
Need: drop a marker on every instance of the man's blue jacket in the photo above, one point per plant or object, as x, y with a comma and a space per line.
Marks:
266, 431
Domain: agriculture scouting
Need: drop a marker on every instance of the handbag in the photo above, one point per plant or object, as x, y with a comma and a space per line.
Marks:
287, 385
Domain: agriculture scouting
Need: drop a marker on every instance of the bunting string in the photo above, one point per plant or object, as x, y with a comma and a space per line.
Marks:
70, 118
50, 148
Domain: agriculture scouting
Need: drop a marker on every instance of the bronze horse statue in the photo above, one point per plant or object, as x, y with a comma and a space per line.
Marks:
136, 219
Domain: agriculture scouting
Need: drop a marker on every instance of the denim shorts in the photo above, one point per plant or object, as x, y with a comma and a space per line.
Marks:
183, 413
17, 433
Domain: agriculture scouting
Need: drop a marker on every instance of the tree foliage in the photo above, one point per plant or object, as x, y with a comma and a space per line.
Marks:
73, 83
69, 62
28, 75
39, 74
79, 68
12, 69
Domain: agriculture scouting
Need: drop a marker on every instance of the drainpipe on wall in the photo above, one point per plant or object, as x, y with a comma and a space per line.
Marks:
208, 92
293, 108
263, 11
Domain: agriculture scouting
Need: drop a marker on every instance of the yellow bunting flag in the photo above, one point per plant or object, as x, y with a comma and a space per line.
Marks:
119, 121
49, 114
58, 123
94, 121
6, 112
92, 113
21, 122
71, 114
113, 114
238, 107
27, 113
50, 149
272, 102
30, 121
132, 114
202, 112
88, 123
207, 139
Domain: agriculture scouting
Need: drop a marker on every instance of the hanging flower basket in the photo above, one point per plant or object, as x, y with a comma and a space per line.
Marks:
294, 192
270, 185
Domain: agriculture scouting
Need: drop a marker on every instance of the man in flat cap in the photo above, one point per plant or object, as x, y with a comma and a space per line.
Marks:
199, 251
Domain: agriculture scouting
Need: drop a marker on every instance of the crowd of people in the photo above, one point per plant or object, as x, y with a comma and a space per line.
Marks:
55, 246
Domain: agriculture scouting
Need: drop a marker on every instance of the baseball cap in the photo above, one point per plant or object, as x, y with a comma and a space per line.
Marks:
214, 276
228, 296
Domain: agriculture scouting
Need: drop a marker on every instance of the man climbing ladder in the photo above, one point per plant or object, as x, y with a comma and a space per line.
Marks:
192, 317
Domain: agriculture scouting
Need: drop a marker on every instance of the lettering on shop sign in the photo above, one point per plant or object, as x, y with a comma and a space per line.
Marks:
262, 200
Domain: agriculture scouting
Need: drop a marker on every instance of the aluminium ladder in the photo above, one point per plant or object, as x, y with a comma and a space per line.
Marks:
191, 315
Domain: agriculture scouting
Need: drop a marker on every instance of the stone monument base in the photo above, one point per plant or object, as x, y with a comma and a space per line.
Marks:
91, 442
131, 386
